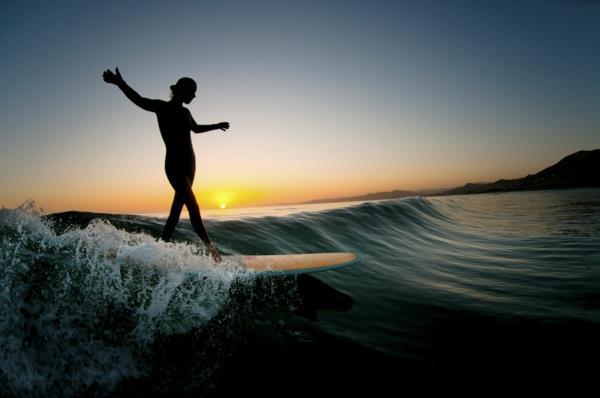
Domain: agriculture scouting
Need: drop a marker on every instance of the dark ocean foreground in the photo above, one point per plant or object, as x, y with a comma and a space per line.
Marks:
452, 292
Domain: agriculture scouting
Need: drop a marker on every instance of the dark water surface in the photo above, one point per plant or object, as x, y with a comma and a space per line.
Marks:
499, 288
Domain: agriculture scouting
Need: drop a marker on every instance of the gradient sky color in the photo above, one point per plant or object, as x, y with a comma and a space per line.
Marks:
325, 99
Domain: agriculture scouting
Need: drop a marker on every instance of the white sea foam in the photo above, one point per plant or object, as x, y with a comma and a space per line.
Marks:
78, 309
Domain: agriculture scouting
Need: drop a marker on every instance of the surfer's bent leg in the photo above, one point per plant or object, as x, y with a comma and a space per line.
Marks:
184, 195
194, 211
173, 219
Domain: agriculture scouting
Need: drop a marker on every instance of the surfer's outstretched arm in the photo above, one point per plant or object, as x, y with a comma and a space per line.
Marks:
144, 103
203, 128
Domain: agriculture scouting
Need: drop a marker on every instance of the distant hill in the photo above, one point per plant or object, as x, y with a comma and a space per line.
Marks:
370, 196
578, 170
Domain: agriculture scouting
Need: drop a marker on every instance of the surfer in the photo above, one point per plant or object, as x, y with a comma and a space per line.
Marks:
175, 123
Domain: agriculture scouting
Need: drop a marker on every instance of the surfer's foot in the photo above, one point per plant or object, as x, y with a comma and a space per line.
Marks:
214, 253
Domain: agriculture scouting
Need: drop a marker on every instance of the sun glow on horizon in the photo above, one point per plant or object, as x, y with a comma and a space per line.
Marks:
218, 198
222, 199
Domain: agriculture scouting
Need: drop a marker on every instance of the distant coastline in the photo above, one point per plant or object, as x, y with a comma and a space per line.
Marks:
370, 196
577, 170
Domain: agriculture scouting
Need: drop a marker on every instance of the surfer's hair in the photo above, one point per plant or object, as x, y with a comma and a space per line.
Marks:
182, 84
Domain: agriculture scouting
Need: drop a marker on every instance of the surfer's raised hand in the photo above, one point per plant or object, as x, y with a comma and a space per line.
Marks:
113, 78
223, 126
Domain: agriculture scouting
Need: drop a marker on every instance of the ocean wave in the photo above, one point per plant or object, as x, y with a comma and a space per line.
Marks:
80, 307
87, 298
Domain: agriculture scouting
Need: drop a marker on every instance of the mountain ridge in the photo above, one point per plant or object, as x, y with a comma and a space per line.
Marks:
578, 170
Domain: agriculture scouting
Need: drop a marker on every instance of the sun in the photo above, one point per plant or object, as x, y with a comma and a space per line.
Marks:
222, 199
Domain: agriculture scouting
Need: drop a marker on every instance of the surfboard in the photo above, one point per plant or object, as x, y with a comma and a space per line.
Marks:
299, 263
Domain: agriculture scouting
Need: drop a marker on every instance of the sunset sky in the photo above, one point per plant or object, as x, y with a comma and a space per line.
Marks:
325, 98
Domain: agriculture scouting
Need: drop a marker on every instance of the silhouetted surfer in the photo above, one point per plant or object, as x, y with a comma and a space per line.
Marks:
175, 123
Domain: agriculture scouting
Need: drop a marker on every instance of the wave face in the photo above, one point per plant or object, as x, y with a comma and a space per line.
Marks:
93, 304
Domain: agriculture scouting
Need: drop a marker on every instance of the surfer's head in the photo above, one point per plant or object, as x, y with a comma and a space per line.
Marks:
184, 90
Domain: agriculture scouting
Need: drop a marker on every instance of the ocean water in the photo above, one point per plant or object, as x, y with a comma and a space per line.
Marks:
452, 291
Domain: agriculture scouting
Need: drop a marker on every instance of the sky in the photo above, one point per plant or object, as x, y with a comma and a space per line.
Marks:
325, 99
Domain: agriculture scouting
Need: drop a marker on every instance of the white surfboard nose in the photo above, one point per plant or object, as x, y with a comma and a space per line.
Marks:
299, 263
